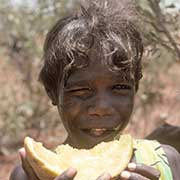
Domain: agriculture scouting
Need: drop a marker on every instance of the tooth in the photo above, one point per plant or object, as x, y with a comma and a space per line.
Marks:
97, 132
96, 129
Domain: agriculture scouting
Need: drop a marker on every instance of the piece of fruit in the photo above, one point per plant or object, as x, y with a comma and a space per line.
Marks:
112, 157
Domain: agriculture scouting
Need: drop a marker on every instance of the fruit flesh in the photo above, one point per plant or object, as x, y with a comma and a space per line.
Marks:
112, 157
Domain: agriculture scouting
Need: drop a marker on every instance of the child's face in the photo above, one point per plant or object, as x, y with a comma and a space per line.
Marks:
97, 104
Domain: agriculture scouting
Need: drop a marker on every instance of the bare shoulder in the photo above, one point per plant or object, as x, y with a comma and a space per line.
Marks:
174, 160
18, 174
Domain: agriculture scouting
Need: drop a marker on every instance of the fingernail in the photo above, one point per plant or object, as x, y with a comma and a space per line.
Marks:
22, 153
131, 166
105, 176
125, 174
71, 172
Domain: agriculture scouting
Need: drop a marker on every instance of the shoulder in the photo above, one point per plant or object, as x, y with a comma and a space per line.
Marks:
18, 174
167, 134
174, 160
172, 154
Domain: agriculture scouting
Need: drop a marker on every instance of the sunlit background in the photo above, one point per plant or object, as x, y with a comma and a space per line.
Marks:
24, 106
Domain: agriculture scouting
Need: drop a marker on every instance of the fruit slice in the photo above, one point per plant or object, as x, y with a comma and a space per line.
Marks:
112, 157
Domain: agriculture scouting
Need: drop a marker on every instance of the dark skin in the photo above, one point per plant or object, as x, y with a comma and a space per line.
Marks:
96, 105
96, 100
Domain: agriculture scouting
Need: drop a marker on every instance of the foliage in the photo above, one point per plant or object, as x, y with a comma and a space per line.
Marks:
22, 32
160, 27
24, 104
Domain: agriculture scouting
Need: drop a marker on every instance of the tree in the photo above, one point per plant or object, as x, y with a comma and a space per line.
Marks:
160, 26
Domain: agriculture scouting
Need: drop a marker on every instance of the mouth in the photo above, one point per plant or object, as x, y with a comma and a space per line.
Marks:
96, 132
100, 132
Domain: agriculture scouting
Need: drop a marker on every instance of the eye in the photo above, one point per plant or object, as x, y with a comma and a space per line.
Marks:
80, 92
121, 87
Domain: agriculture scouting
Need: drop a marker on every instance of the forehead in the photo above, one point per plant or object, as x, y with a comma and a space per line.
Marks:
97, 71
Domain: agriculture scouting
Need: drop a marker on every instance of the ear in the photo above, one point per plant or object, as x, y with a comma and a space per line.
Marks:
52, 95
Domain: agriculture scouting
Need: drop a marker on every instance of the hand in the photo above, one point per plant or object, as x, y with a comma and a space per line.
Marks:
69, 174
104, 176
139, 172
133, 172
28, 170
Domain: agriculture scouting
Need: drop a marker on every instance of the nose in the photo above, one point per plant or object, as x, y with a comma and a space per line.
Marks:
101, 106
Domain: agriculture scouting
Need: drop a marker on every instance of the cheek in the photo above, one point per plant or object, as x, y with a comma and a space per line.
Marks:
124, 105
71, 107
125, 108
129, 104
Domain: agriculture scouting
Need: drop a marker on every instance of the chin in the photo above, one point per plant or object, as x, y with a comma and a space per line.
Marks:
91, 141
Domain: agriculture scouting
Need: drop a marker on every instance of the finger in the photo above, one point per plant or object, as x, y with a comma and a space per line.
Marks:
146, 171
135, 176
126, 175
26, 166
104, 176
69, 174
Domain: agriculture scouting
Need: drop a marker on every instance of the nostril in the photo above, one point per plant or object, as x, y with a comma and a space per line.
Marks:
100, 111
101, 105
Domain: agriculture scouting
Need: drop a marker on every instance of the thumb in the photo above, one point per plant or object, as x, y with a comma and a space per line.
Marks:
69, 174
26, 166
104, 176
22, 154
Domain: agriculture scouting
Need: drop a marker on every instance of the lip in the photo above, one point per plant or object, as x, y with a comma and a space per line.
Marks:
97, 128
100, 132
96, 133
97, 125
97, 122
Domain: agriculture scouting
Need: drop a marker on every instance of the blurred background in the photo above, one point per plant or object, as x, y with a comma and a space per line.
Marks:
24, 106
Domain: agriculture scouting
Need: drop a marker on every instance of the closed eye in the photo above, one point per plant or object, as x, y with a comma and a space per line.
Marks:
82, 93
78, 89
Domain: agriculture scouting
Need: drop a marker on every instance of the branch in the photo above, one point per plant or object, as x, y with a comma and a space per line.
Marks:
154, 4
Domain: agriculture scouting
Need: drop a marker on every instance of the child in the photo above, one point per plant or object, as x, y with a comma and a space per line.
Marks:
91, 72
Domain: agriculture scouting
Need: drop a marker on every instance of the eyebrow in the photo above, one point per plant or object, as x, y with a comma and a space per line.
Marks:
85, 82
76, 83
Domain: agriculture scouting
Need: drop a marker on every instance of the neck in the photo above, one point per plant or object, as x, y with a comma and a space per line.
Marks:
75, 144
71, 143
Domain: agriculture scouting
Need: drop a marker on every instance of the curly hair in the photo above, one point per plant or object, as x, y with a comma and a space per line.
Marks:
107, 25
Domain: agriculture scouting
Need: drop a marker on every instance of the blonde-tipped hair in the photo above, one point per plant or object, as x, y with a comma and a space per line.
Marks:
109, 26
